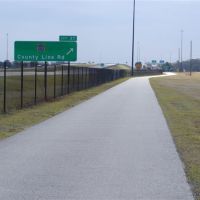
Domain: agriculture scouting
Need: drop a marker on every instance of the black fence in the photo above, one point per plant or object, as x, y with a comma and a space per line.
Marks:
23, 87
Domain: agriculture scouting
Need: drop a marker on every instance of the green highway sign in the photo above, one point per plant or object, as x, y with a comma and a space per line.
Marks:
45, 51
67, 38
154, 62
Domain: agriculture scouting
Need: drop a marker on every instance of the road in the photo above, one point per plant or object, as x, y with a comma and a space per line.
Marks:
115, 146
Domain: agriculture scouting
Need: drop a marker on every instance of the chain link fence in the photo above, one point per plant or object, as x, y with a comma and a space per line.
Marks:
22, 86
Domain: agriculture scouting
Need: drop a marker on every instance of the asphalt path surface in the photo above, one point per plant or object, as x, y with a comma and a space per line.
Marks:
114, 146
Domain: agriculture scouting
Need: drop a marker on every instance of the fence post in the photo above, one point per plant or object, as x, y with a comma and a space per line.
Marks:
82, 78
45, 81
94, 77
105, 76
22, 83
86, 77
89, 78
73, 77
101, 76
62, 83
106, 80
35, 99
97, 76
54, 82
68, 78
4, 90
78, 80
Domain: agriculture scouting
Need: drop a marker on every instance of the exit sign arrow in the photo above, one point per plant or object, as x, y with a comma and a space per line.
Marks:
70, 51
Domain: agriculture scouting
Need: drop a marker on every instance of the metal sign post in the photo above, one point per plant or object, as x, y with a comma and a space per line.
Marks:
54, 87
68, 78
22, 83
45, 81
35, 99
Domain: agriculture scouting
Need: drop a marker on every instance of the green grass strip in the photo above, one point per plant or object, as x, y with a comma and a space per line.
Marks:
17, 121
181, 108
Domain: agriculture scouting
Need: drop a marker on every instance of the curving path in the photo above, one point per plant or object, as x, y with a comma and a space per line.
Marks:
116, 146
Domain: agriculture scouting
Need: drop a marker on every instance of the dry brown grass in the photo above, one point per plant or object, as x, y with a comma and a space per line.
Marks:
185, 84
179, 97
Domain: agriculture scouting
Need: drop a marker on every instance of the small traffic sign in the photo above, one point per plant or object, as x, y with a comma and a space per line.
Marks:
67, 38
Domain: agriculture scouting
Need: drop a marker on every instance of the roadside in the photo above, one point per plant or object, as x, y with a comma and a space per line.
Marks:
179, 97
17, 121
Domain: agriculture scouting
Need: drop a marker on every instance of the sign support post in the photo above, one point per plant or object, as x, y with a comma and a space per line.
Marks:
22, 83
45, 81
68, 78
54, 81
35, 100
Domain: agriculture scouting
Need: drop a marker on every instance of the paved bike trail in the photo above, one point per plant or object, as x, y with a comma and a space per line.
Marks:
115, 146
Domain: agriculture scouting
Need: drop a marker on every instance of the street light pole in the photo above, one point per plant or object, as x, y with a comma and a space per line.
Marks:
133, 39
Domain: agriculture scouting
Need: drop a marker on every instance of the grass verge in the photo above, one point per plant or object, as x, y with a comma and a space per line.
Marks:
17, 121
179, 97
13, 88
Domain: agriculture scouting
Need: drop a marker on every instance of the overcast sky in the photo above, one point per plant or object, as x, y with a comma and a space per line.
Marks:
104, 27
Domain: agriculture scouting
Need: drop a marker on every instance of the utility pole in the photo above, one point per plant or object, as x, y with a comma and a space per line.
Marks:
7, 46
190, 58
133, 38
179, 57
181, 68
